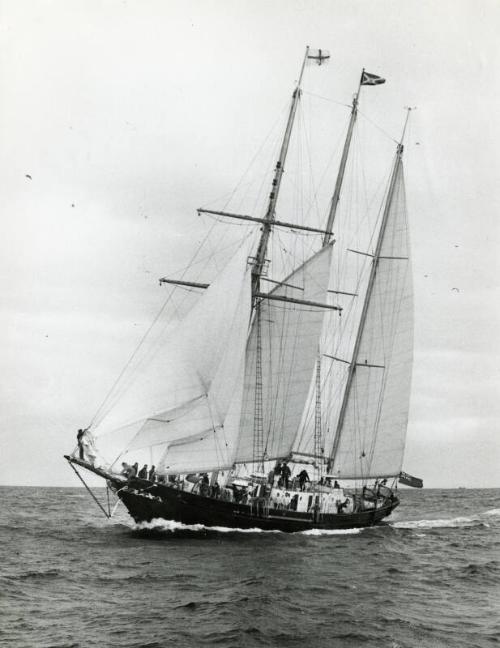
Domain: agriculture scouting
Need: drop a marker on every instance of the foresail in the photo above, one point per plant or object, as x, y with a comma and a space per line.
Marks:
289, 341
372, 438
188, 384
209, 437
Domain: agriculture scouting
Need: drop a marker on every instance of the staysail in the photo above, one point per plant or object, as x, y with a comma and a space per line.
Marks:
289, 344
187, 387
371, 431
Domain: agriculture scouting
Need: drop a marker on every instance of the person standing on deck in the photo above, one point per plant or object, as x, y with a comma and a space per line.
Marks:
303, 478
143, 472
285, 475
152, 474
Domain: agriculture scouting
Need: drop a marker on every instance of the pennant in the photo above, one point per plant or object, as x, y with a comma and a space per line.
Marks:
408, 480
320, 56
371, 79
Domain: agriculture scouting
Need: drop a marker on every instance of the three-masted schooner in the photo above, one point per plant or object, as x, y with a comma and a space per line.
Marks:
235, 405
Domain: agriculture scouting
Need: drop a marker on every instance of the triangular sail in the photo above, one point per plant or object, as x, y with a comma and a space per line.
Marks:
289, 342
372, 434
188, 384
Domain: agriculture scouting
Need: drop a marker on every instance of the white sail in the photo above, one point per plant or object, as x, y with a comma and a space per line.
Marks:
373, 433
207, 437
188, 384
289, 340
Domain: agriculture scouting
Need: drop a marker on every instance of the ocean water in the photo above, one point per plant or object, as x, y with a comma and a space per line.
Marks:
71, 578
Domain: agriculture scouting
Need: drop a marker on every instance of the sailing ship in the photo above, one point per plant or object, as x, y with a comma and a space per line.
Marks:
260, 406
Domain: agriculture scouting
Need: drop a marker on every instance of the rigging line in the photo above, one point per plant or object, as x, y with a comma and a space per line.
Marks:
224, 197
396, 141
338, 103
207, 258
259, 150
312, 201
143, 339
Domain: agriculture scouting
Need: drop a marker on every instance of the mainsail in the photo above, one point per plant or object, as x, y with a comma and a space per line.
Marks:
371, 431
289, 344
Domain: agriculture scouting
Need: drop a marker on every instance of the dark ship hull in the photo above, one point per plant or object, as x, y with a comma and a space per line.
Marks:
147, 501
171, 504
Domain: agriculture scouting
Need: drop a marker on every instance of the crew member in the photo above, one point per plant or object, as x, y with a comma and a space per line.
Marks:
79, 437
303, 478
285, 474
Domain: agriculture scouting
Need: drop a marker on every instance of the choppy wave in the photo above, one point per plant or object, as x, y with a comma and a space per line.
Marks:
492, 512
456, 522
208, 586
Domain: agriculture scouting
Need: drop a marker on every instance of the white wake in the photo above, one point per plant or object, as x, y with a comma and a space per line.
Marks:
170, 526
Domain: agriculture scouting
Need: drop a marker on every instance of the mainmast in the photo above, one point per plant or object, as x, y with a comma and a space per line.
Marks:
365, 79
375, 262
343, 161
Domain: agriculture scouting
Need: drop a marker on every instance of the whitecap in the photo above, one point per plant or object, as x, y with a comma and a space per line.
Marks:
492, 512
330, 532
458, 522
159, 524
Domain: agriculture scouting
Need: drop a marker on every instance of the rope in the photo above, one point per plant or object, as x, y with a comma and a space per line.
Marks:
88, 489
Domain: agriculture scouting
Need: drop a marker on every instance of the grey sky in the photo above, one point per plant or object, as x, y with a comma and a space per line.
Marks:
129, 115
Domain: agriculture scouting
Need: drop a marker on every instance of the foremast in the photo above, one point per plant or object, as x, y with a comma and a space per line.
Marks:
259, 260
368, 295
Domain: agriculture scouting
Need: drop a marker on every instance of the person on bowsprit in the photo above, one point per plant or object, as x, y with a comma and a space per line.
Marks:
86, 448
143, 472
152, 474
81, 450
303, 478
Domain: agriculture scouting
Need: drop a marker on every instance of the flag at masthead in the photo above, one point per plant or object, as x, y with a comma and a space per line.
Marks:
371, 79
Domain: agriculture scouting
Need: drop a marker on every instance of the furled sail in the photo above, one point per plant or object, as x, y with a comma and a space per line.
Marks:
372, 434
187, 387
289, 345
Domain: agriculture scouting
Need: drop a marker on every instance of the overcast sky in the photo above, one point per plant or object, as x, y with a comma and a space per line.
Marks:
127, 115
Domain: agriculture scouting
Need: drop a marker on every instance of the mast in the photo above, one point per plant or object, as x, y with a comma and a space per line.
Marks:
343, 161
258, 266
369, 290
260, 257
